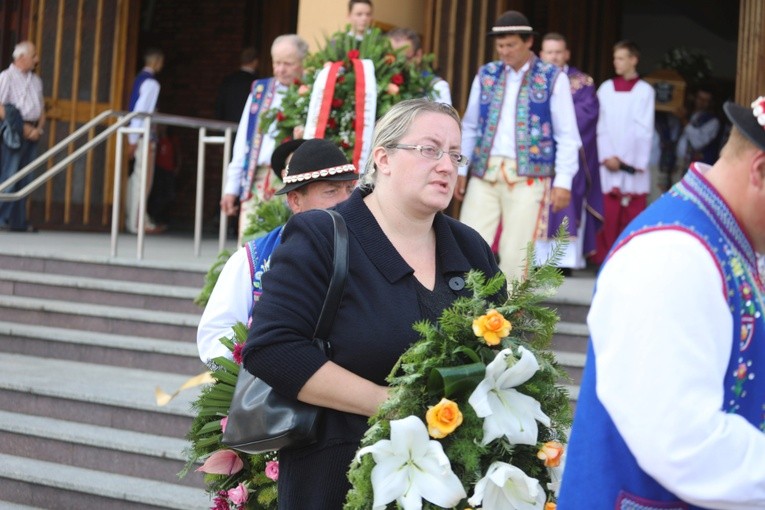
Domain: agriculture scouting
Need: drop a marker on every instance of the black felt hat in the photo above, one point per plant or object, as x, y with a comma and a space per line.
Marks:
281, 153
511, 22
746, 120
316, 160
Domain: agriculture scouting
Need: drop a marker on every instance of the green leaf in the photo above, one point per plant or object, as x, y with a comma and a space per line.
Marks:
450, 381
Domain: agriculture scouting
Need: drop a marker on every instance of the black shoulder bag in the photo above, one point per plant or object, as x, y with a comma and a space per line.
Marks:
261, 420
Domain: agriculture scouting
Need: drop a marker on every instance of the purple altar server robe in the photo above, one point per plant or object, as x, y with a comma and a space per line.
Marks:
585, 188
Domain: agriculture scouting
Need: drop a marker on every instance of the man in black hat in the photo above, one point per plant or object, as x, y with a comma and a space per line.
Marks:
316, 175
671, 412
521, 132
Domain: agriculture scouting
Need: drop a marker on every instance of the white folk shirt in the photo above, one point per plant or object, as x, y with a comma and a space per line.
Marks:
148, 95
661, 331
230, 302
565, 130
625, 130
22, 90
236, 168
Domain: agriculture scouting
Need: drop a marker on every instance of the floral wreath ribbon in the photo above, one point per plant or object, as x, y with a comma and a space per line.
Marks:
320, 104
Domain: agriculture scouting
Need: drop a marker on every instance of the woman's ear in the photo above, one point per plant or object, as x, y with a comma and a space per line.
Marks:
380, 156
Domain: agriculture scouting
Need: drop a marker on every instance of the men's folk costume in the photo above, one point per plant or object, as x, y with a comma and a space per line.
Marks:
521, 134
248, 175
703, 330
585, 212
625, 130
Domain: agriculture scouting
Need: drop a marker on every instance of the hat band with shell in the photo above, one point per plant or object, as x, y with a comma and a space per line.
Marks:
316, 174
758, 109
513, 28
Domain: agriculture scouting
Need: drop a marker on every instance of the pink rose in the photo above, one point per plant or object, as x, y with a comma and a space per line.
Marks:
272, 469
238, 495
303, 90
392, 89
223, 423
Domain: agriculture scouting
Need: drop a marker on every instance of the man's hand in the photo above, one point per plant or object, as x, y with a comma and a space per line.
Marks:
459, 190
612, 164
228, 205
560, 198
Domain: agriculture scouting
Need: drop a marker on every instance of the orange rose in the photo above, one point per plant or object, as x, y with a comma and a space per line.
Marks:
551, 506
443, 418
551, 452
492, 327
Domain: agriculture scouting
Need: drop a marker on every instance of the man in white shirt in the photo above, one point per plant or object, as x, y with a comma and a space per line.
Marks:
625, 137
248, 176
521, 134
699, 140
143, 98
671, 412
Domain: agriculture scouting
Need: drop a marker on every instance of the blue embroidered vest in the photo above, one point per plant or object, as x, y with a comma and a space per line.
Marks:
136, 91
534, 143
602, 472
259, 257
262, 94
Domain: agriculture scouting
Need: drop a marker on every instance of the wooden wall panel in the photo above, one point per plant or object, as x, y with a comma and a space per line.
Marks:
750, 75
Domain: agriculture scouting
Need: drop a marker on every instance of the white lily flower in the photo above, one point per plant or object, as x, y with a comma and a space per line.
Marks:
410, 467
506, 411
506, 487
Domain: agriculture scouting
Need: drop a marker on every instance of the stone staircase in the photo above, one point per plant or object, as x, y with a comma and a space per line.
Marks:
84, 345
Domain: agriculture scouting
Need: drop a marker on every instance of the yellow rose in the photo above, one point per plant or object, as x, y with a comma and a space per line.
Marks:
443, 418
551, 452
492, 327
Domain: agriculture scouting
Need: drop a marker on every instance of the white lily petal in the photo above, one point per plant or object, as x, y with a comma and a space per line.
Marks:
520, 372
515, 416
479, 399
506, 486
410, 466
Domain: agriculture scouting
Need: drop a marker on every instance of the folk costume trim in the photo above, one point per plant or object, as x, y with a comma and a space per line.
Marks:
263, 92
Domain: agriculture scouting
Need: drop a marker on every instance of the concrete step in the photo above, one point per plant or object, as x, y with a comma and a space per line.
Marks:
570, 337
95, 394
100, 318
81, 289
60, 486
112, 269
93, 447
104, 348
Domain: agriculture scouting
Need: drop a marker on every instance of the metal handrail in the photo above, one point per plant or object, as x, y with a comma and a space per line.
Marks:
120, 126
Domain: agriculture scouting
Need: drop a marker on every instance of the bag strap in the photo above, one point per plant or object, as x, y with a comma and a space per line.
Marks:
337, 283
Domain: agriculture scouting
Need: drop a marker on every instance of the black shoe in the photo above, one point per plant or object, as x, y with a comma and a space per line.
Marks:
28, 228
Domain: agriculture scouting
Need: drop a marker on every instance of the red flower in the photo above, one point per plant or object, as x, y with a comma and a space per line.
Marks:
337, 103
297, 81
353, 54
238, 352
331, 123
340, 79
397, 79
280, 116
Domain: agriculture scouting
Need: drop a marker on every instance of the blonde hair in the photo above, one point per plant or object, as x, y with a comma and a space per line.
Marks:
395, 124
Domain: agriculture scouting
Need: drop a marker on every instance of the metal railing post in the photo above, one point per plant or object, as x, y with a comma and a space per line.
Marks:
200, 191
143, 185
116, 194
223, 223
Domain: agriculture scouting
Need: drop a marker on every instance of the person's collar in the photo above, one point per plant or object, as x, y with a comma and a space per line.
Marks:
19, 69
149, 69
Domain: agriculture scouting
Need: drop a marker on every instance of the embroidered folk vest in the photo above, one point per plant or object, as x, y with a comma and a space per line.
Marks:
602, 453
534, 143
259, 258
262, 96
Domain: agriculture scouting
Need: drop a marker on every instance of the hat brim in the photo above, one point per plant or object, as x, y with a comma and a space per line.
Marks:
280, 154
746, 122
346, 176
500, 33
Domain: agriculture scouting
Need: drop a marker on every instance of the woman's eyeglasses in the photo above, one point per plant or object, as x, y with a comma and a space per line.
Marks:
432, 152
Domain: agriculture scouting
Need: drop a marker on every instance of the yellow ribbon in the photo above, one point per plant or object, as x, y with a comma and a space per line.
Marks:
163, 398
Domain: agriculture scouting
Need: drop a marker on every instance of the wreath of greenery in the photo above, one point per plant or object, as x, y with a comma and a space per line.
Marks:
397, 79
